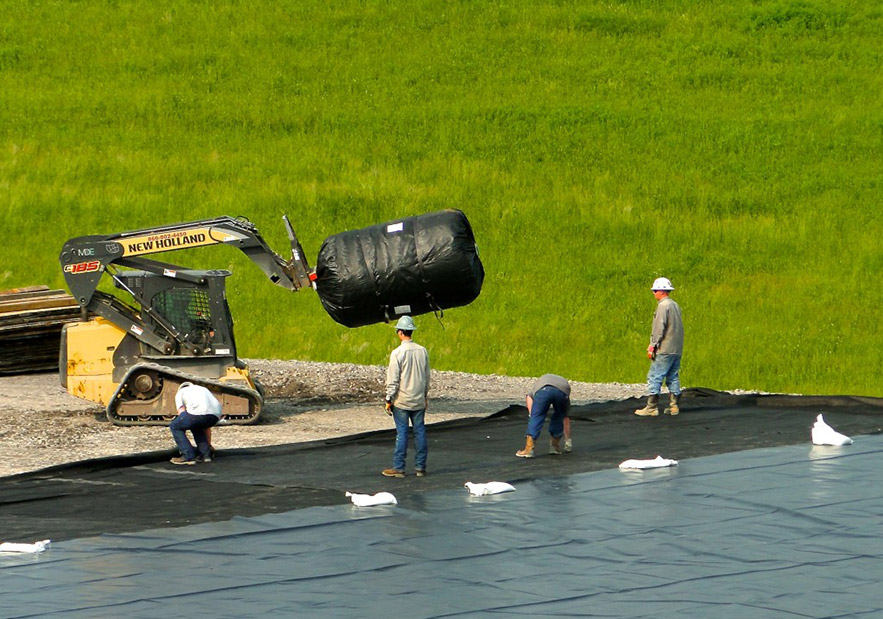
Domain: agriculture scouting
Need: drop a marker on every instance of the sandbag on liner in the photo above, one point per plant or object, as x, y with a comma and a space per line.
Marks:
657, 462
491, 487
823, 434
409, 266
371, 500
34, 548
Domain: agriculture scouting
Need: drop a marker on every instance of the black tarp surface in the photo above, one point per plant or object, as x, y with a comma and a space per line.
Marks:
425, 263
765, 533
145, 491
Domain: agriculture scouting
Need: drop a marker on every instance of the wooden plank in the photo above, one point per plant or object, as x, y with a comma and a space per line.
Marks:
40, 300
31, 320
25, 289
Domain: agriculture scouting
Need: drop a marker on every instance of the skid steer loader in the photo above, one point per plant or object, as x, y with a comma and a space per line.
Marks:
131, 357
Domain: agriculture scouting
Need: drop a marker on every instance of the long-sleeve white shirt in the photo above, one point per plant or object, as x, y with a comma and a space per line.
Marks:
407, 377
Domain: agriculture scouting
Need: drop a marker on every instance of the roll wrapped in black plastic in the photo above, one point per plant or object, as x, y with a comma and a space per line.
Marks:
409, 266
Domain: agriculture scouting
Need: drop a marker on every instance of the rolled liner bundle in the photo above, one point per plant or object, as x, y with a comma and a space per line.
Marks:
410, 266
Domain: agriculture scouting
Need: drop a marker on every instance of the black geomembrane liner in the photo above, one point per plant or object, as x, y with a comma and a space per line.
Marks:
133, 493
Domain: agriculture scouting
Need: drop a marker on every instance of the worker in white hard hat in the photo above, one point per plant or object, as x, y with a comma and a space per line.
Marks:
665, 350
407, 397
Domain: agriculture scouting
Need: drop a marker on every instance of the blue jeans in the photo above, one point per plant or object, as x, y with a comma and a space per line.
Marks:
544, 399
664, 368
197, 424
402, 417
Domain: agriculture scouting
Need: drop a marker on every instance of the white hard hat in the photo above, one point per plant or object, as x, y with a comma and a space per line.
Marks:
662, 283
406, 323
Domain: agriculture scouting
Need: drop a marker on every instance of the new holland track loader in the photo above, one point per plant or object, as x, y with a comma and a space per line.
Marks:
131, 357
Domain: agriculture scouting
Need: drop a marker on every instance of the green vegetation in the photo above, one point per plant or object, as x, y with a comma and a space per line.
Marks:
736, 148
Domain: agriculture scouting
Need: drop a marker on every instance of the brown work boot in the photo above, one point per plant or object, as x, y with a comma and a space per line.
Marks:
182, 460
672, 408
392, 473
527, 452
555, 446
652, 408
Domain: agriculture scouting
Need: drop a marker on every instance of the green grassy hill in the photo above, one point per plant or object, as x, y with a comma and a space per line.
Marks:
735, 148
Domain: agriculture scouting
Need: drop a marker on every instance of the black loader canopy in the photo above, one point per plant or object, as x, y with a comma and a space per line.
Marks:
409, 266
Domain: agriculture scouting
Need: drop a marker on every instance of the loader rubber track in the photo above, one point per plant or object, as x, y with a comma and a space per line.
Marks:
128, 412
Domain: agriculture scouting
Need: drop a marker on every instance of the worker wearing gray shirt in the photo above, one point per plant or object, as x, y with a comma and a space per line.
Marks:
407, 389
548, 391
666, 349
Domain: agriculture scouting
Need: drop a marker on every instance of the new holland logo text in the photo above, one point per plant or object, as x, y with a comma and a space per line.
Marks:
164, 242
83, 267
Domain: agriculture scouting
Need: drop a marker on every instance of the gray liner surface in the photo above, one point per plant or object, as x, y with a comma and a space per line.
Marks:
775, 532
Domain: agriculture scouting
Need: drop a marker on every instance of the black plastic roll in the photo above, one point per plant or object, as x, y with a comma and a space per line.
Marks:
408, 266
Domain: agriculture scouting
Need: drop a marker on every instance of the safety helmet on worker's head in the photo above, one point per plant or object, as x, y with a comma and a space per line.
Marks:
662, 283
406, 323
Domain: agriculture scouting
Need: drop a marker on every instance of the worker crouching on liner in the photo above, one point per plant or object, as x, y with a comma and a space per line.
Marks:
548, 391
407, 389
198, 411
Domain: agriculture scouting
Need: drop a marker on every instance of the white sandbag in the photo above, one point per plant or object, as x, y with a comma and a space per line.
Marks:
823, 434
370, 500
655, 463
491, 487
29, 548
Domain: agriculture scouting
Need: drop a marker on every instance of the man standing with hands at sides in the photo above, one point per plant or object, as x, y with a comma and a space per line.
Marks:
198, 411
665, 349
407, 389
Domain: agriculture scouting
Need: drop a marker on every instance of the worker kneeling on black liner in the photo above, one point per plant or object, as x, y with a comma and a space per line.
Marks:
198, 411
548, 391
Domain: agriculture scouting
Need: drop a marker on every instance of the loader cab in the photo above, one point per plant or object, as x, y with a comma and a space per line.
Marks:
193, 302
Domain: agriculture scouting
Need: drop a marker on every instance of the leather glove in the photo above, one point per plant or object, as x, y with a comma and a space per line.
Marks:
389, 407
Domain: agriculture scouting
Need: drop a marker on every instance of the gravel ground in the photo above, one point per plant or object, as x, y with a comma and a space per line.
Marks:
41, 425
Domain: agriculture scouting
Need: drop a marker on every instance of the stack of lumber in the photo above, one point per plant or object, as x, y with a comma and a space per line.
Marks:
31, 320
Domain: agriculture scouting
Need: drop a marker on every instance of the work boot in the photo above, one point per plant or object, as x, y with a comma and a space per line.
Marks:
527, 452
652, 408
672, 408
568, 445
555, 446
392, 473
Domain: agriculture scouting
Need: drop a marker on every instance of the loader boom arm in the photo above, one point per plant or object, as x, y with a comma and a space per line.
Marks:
84, 259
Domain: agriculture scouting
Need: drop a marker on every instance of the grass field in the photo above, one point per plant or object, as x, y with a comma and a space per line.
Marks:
736, 148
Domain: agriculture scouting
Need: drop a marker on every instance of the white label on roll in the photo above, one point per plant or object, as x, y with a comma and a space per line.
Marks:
401, 309
395, 227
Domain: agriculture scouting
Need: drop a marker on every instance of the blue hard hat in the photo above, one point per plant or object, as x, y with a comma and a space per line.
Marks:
406, 323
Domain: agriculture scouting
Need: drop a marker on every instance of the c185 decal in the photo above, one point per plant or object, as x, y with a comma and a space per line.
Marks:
83, 267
